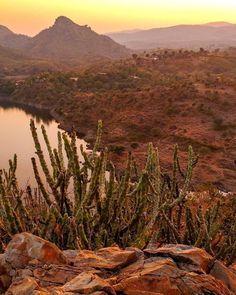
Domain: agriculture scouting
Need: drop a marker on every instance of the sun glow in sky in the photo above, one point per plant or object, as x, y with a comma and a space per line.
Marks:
31, 16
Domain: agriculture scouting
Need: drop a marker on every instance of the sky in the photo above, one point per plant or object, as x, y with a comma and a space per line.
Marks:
31, 16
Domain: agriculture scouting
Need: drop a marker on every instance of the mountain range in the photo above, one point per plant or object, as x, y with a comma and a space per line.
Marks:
210, 36
65, 40
68, 42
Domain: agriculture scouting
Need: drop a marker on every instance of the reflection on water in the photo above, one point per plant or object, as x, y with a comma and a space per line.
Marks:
15, 137
39, 115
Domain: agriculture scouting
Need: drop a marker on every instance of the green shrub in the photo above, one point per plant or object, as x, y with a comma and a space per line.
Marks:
84, 206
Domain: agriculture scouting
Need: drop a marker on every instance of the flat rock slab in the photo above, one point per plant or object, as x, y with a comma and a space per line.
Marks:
111, 258
187, 257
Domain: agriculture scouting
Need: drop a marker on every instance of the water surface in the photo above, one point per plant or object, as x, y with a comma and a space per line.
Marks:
15, 137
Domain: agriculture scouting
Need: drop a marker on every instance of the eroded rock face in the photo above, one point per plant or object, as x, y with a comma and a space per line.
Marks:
87, 283
111, 258
27, 286
224, 274
162, 275
187, 257
25, 247
37, 267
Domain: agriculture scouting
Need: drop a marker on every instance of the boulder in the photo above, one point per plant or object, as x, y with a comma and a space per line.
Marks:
188, 258
161, 275
224, 274
5, 270
111, 258
58, 275
25, 247
87, 283
26, 286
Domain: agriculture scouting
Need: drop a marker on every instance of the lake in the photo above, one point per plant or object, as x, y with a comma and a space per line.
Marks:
15, 138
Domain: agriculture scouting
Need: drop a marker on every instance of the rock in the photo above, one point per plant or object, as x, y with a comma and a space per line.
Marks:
25, 247
27, 286
224, 274
5, 270
188, 258
161, 275
87, 283
58, 275
233, 267
111, 258
33, 266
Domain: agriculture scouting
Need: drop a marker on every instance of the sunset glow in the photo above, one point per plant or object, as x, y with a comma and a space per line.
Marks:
29, 17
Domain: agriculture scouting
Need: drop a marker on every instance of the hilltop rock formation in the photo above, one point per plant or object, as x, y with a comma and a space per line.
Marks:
171, 269
64, 41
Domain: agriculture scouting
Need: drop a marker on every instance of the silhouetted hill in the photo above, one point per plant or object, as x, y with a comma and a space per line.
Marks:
12, 40
212, 35
67, 40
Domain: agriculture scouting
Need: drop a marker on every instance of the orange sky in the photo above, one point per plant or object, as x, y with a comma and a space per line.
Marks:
31, 16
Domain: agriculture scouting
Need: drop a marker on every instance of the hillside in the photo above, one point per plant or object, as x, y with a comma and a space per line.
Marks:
12, 40
211, 35
13, 63
166, 97
65, 41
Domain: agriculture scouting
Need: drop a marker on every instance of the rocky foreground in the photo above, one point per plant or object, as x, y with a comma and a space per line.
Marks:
31, 265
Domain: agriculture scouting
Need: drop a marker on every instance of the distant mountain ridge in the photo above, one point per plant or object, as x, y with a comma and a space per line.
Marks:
210, 35
65, 40
12, 40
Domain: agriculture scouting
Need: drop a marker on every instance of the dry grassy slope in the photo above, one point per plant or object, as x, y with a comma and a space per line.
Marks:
185, 98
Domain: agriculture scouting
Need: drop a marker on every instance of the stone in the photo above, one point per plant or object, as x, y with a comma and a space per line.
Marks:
25, 247
5, 271
224, 274
87, 283
161, 275
188, 258
58, 275
233, 267
26, 286
111, 258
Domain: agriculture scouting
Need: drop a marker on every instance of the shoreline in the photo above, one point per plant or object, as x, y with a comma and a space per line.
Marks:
61, 123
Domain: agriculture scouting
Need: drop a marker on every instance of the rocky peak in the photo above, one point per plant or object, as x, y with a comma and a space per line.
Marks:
63, 21
5, 30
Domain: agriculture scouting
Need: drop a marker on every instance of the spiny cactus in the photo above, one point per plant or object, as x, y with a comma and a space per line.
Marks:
79, 204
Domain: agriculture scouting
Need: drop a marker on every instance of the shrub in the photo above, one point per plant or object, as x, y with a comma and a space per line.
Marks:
105, 209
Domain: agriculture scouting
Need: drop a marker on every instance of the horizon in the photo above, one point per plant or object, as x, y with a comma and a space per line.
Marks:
29, 17
123, 30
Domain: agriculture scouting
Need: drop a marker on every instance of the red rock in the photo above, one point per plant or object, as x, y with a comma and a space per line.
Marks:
162, 275
25, 247
233, 267
188, 258
58, 274
111, 258
87, 283
5, 270
27, 286
224, 274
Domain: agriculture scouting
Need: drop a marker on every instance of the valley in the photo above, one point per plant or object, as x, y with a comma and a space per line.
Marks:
164, 96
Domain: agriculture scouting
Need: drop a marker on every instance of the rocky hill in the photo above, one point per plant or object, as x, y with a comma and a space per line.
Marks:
31, 265
67, 40
211, 35
64, 41
12, 40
